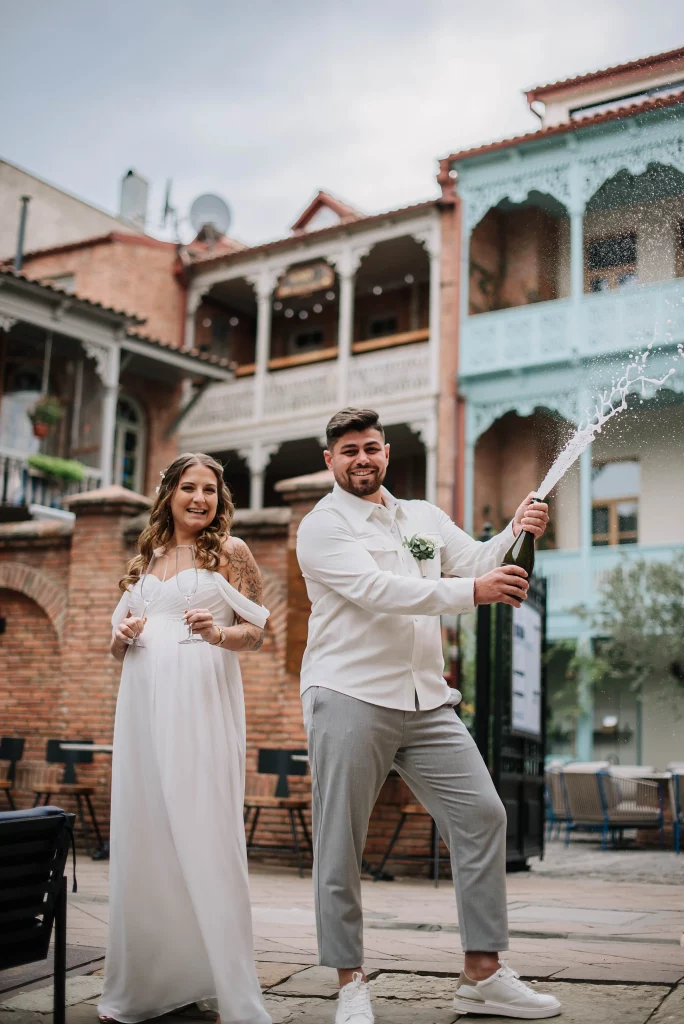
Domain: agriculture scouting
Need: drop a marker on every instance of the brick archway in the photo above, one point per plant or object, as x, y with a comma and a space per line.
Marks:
40, 588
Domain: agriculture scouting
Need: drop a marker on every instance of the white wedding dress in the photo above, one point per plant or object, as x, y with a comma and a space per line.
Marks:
180, 926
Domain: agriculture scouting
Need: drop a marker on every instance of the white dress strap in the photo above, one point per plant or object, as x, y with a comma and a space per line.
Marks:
241, 605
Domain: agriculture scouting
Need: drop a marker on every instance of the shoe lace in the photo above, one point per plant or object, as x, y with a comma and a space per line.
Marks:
511, 976
357, 996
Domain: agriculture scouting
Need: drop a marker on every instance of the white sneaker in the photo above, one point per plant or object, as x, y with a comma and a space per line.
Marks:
354, 1005
503, 995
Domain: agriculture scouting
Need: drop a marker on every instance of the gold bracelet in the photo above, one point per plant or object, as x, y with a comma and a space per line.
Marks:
222, 637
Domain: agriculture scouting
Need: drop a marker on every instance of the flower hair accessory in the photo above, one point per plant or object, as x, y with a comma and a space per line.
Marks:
423, 547
162, 474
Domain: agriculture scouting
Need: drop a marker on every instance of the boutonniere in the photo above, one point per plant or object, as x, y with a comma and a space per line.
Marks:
423, 547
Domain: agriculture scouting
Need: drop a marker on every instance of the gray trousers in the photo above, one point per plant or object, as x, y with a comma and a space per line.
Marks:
352, 746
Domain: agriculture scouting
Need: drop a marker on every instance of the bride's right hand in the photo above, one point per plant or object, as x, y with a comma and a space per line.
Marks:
131, 627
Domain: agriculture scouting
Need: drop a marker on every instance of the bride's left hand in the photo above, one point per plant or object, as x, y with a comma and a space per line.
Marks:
202, 622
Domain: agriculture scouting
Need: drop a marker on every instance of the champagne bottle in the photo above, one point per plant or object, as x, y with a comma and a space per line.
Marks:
521, 551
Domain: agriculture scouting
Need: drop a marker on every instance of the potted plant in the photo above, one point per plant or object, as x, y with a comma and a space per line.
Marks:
65, 470
46, 413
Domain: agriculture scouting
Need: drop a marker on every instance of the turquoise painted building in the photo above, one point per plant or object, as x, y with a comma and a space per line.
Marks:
572, 261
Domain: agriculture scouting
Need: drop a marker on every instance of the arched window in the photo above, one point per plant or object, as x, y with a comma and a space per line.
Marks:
129, 444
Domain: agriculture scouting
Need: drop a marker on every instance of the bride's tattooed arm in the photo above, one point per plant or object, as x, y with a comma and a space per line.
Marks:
244, 575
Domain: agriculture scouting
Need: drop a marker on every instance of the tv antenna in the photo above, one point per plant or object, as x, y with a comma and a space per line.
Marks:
169, 212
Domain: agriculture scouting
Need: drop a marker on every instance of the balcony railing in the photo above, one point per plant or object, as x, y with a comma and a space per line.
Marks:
22, 485
563, 573
544, 333
390, 373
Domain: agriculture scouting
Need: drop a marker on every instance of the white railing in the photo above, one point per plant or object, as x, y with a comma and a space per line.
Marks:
563, 573
544, 333
389, 373
22, 485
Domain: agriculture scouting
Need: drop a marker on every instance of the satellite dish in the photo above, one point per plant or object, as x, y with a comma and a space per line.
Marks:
210, 211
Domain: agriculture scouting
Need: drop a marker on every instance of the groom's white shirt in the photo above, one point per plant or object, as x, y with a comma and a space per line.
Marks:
374, 630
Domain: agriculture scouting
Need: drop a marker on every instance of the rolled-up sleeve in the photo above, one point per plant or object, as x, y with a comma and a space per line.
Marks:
330, 554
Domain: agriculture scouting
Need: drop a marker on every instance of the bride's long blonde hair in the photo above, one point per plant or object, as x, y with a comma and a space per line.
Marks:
159, 530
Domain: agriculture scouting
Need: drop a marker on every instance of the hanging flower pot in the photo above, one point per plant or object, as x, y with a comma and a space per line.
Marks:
46, 413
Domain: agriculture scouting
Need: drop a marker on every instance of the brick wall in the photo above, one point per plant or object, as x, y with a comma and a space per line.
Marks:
133, 273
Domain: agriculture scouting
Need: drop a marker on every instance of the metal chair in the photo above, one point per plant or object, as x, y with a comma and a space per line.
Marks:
677, 806
12, 750
415, 810
269, 789
69, 785
598, 802
34, 845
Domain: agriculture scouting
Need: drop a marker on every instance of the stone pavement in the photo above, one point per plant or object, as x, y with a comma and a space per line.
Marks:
601, 931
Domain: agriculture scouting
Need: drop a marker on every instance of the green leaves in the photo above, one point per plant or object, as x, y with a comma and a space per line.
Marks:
422, 548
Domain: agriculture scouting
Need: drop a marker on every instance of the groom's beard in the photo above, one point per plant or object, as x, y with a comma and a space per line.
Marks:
362, 486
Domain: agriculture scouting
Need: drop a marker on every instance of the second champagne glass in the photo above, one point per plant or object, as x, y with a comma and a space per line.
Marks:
187, 581
157, 567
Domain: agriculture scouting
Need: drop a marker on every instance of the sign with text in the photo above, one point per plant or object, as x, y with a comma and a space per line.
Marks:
526, 702
306, 280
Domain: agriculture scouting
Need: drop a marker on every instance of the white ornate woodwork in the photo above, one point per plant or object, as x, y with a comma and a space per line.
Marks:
7, 322
106, 361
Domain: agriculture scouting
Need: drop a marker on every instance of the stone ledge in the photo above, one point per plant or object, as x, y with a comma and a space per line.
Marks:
108, 499
34, 529
309, 486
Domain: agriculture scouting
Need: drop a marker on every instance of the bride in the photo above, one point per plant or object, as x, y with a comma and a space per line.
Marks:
180, 927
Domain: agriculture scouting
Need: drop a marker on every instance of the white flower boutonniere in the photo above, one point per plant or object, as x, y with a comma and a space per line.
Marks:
422, 546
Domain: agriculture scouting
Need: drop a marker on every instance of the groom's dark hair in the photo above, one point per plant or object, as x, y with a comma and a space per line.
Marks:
347, 420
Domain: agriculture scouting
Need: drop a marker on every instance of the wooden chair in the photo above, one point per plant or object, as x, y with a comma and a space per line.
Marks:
415, 810
269, 789
12, 750
69, 785
34, 845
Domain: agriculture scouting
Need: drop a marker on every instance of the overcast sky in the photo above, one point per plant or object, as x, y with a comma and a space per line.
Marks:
266, 101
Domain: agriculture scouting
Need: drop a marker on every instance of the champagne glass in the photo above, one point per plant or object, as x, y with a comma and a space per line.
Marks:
187, 581
157, 567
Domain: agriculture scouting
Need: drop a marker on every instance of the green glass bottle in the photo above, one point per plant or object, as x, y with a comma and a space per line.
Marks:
521, 551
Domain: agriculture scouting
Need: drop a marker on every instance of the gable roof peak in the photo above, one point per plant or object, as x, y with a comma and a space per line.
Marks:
325, 201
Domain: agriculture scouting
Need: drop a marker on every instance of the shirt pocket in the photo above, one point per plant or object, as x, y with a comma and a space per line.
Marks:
385, 553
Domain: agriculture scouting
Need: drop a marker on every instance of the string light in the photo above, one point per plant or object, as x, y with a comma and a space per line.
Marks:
289, 313
278, 306
206, 322
318, 308
233, 321
330, 296
303, 314
377, 290
409, 279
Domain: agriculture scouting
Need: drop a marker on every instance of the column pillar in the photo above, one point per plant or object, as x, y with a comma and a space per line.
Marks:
470, 441
585, 698
192, 304
263, 284
346, 265
257, 458
107, 361
427, 429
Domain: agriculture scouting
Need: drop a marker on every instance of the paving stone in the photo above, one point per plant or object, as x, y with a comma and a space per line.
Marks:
671, 1010
271, 974
604, 1004
313, 981
41, 999
285, 1010
425, 989
630, 971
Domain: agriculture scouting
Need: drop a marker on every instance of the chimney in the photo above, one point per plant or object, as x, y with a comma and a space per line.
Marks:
133, 206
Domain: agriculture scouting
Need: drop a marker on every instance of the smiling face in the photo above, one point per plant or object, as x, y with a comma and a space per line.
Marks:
194, 502
359, 461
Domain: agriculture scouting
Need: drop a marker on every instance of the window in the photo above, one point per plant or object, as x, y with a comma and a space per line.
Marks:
129, 445
66, 282
306, 341
382, 326
615, 503
612, 263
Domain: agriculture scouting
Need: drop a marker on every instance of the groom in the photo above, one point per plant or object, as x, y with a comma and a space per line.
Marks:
374, 698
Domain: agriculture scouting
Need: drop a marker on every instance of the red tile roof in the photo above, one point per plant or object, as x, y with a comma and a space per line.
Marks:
85, 243
629, 110
295, 241
127, 318
595, 76
325, 199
